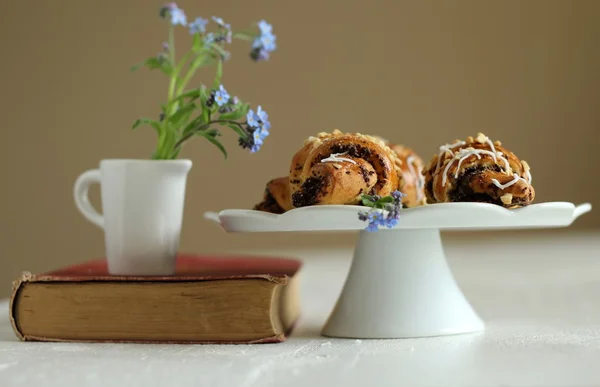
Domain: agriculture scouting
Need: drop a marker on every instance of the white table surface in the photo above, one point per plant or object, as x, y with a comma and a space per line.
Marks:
538, 294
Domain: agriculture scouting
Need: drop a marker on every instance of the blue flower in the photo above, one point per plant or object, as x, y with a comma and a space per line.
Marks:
209, 38
198, 25
397, 195
263, 44
258, 137
174, 12
391, 222
221, 23
221, 96
258, 128
264, 27
261, 114
266, 126
252, 119
257, 141
267, 42
376, 217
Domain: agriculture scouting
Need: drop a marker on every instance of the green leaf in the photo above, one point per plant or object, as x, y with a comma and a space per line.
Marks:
213, 140
366, 201
182, 115
213, 132
237, 129
144, 121
203, 98
156, 126
385, 199
194, 93
194, 124
233, 116
157, 62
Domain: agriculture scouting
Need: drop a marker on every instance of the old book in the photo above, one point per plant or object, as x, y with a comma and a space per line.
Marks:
208, 300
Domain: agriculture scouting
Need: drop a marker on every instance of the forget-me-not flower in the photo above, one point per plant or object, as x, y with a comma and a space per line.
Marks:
176, 14
264, 27
221, 96
252, 119
263, 44
261, 114
198, 25
221, 23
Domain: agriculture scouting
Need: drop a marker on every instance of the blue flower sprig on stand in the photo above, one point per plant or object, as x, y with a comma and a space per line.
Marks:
376, 216
203, 110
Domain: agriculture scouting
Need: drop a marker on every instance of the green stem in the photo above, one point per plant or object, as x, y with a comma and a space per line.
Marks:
188, 75
172, 56
205, 126
248, 36
219, 74
161, 152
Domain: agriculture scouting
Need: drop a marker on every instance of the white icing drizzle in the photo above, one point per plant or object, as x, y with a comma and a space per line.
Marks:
335, 158
446, 148
419, 176
527, 171
492, 147
515, 179
464, 153
528, 176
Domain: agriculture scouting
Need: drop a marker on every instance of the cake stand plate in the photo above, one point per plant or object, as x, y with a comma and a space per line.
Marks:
399, 284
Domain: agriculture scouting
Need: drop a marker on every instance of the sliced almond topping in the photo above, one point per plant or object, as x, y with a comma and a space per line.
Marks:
506, 198
497, 143
470, 140
481, 138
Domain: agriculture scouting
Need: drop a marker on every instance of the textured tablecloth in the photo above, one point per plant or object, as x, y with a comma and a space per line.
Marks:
539, 294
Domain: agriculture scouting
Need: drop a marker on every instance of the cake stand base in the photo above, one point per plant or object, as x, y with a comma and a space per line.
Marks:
400, 286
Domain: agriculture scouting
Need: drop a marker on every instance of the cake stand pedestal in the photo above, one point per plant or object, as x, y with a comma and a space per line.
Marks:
399, 284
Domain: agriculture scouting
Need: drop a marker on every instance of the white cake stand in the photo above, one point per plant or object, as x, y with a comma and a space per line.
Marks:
399, 284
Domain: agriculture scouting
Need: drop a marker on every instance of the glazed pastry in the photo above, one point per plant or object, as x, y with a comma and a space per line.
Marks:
412, 172
478, 170
335, 168
277, 198
338, 168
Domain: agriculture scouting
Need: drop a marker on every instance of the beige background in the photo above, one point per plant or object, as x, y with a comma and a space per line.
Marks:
422, 73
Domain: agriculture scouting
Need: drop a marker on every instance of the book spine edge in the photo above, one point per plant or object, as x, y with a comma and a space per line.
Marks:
17, 285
